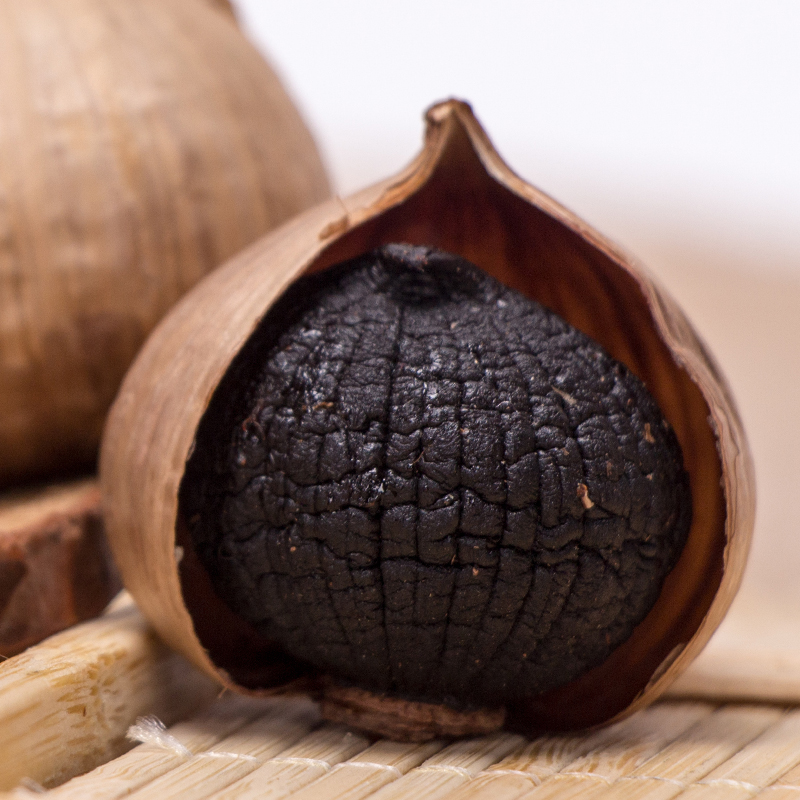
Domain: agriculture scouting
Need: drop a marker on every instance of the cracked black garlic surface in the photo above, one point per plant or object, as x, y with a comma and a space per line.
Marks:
421, 482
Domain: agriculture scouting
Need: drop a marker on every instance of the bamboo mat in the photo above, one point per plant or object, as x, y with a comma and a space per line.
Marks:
66, 705
729, 729
241, 749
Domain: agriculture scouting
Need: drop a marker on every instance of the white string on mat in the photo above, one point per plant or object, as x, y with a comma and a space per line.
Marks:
223, 754
671, 781
750, 787
27, 787
464, 773
302, 762
151, 730
488, 773
372, 765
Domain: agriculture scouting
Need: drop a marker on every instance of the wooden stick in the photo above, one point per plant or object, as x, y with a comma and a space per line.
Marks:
66, 704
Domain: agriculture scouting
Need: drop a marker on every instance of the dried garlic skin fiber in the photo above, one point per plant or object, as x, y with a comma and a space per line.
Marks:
422, 482
141, 145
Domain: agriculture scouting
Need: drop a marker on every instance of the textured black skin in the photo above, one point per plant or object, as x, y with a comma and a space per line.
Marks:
422, 482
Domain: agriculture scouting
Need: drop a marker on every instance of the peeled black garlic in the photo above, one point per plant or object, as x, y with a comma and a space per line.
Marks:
423, 483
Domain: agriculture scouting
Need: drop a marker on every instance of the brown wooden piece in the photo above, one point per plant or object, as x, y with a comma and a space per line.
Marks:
55, 567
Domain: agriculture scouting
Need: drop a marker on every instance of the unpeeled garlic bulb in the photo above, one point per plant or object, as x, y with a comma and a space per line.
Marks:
141, 145
459, 196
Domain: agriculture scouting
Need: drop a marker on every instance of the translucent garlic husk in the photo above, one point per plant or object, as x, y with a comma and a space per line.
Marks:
141, 145
460, 196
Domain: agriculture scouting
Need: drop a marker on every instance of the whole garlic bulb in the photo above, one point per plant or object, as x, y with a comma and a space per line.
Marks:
458, 196
141, 144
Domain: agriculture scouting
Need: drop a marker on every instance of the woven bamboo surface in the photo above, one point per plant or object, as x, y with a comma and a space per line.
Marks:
240, 749
66, 704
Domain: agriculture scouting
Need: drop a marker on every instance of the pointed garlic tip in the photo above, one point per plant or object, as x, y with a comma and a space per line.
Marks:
226, 6
459, 196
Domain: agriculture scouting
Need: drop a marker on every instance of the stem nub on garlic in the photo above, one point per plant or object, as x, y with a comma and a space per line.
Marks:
460, 197
141, 145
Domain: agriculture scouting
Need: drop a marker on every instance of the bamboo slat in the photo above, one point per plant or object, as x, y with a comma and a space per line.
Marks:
298, 766
242, 749
66, 704
450, 768
368, 771
144, 764
619, 750
756, 766
576, 759
710, 743
524, 768
787, 787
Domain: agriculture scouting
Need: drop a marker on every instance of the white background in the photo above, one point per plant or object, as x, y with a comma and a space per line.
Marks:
654, 120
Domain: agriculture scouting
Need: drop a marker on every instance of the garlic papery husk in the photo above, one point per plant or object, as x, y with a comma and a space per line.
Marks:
141, 145
226, 6
458, 195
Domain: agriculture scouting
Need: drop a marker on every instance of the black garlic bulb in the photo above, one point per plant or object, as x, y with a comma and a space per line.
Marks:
423, 491
422, 483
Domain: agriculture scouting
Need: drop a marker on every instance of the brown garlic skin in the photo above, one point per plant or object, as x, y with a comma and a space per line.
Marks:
225, 6
142, 144
458, 196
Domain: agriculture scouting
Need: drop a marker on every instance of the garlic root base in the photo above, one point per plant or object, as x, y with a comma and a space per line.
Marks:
404, 720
